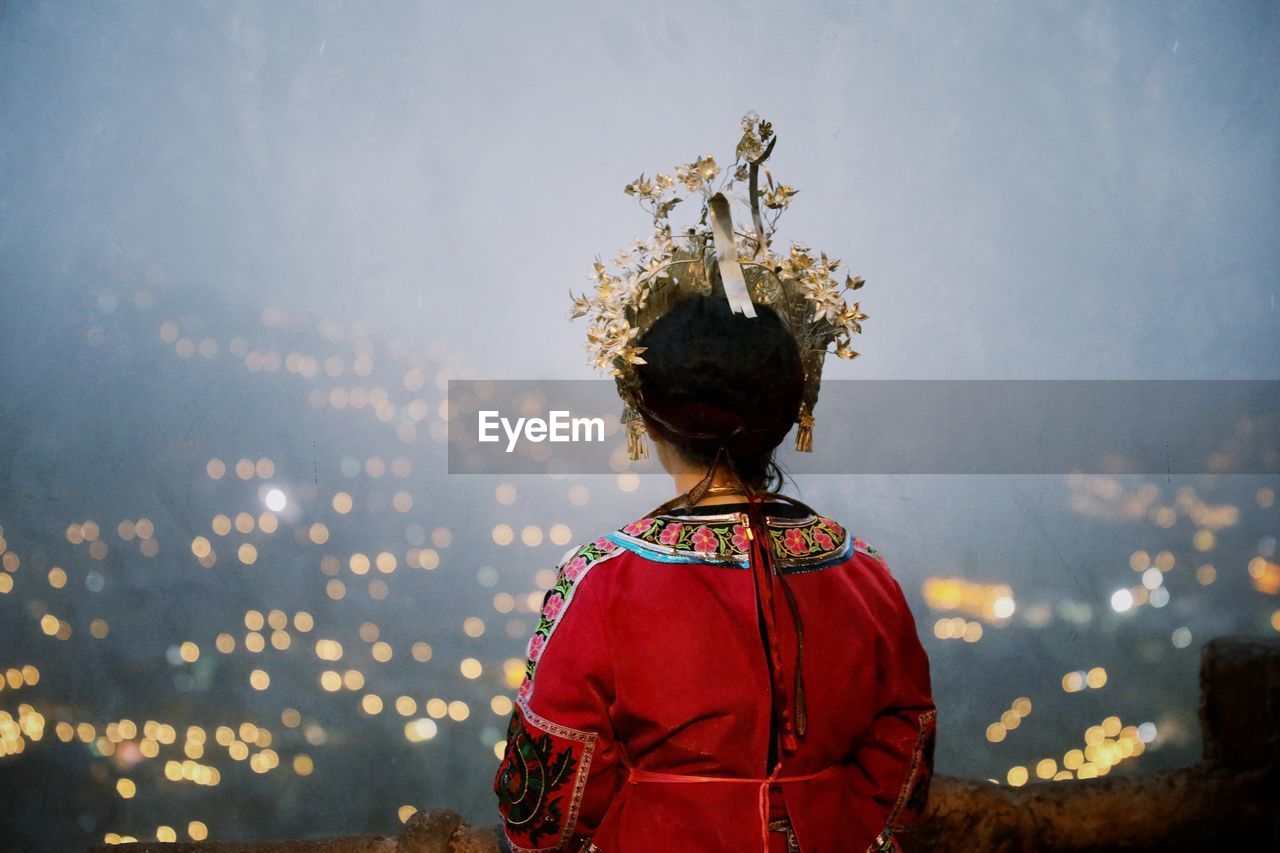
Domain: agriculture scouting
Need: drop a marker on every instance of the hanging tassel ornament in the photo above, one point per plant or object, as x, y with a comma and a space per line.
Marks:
804, 435
637, 448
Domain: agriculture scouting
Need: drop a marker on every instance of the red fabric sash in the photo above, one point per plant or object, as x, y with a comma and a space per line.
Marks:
636, 776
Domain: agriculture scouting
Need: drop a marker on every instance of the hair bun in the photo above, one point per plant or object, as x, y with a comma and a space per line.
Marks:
715, 379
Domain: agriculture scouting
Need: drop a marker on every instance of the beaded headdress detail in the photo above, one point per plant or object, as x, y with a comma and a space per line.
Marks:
712, 258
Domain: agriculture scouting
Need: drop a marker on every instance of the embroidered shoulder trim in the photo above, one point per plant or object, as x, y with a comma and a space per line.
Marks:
799, 544
541, 780
915, 787
805, 545
575, 565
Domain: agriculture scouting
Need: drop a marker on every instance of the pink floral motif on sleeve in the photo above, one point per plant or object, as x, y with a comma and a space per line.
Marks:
551, 608
740, 540
573, 570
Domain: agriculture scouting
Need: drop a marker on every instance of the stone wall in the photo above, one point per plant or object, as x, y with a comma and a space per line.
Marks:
1230, 799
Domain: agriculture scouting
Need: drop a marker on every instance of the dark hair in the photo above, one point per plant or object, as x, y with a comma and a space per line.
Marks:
712, 377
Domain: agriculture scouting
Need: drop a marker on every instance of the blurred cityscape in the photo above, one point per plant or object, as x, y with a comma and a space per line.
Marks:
241, 598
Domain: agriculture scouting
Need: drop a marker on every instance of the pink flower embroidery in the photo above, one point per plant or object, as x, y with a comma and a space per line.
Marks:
823, 540
635, 528
576, 567
552, 607
704, 541
526, 687
859, 544
741, 542
831, 525
794, 542
536, 644
670, 534
604, 544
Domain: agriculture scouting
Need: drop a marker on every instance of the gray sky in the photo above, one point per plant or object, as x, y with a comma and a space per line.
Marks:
1035, 190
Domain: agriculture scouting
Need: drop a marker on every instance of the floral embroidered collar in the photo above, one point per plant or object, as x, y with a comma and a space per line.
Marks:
717, 534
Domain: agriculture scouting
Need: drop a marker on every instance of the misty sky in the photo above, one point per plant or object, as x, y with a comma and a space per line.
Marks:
1034, 190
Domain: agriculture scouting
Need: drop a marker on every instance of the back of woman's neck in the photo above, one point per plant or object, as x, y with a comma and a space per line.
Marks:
720, 492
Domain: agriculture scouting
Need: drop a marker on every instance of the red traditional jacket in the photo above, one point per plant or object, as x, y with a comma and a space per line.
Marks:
661, 709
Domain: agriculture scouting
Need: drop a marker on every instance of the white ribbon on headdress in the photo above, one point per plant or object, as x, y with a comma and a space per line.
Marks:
735, 285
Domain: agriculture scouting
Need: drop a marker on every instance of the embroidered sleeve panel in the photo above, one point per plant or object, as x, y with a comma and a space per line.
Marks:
802, 544
914, 793
541, 780
575, 566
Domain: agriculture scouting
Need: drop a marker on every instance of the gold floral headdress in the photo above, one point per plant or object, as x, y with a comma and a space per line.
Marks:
712, 258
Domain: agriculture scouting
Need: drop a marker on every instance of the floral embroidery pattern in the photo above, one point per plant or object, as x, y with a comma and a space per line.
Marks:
571, 571
539, 781
814, 540
704, 541
724, 539
793, 540
709, 539
670, 535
